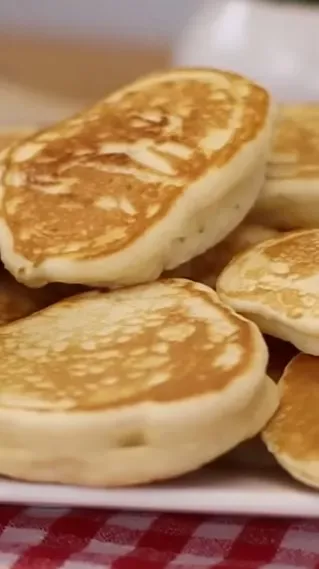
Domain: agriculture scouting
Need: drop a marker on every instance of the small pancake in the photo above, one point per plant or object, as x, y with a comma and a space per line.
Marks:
129, 386
155, 174
207, 267
18, 301
290, 196
276, 284
292, 435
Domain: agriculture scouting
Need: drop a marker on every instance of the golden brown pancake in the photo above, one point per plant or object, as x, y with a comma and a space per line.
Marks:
290, 196
129, 386
276, 284
292, 435
148, 178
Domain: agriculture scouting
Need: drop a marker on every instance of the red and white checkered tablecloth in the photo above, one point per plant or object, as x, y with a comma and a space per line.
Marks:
61, 538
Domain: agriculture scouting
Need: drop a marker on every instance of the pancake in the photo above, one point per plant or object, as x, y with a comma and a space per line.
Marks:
129, 386
155, 174
18, 301
290, 196
292, 435
207, 267
276, 284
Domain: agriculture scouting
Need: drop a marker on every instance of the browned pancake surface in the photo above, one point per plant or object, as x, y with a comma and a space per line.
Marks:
94, 184
295, 152
282, 273
162, 342
294, 429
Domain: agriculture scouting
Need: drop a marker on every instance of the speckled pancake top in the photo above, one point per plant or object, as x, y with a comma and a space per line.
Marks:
294, 429
93, 184
295, 151
282, 274
166, 341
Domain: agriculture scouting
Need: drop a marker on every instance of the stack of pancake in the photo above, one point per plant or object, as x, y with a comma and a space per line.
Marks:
148, 245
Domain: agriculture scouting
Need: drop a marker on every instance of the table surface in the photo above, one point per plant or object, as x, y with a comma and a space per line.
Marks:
61, 538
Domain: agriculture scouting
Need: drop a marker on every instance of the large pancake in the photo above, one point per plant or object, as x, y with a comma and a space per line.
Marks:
129, 386
150, 177
290, 196
207, 267
292, 435
276, 284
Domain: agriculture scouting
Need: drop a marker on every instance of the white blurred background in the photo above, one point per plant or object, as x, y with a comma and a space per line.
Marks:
58, 55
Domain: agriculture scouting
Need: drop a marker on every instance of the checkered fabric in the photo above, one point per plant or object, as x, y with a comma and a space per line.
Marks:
60, 538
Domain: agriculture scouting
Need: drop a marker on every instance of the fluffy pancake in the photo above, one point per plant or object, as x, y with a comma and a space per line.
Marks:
292, 435
276, 284
129, 386
206, 267
290, 196
150, 177
18, 301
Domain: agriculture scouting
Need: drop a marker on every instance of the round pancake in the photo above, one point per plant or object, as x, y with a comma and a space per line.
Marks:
292, 435
276, 284
207, 267
18, 301
158, 172
290, 196
129, 386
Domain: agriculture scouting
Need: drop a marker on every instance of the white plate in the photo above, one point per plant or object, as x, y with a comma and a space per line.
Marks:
210, 491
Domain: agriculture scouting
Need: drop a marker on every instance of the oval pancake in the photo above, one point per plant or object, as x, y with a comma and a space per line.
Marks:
292, 435
290, 197
129, 386
207, 267
276, 284
150, 177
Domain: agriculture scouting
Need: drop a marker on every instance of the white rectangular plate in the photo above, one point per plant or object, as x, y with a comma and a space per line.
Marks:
266, 492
